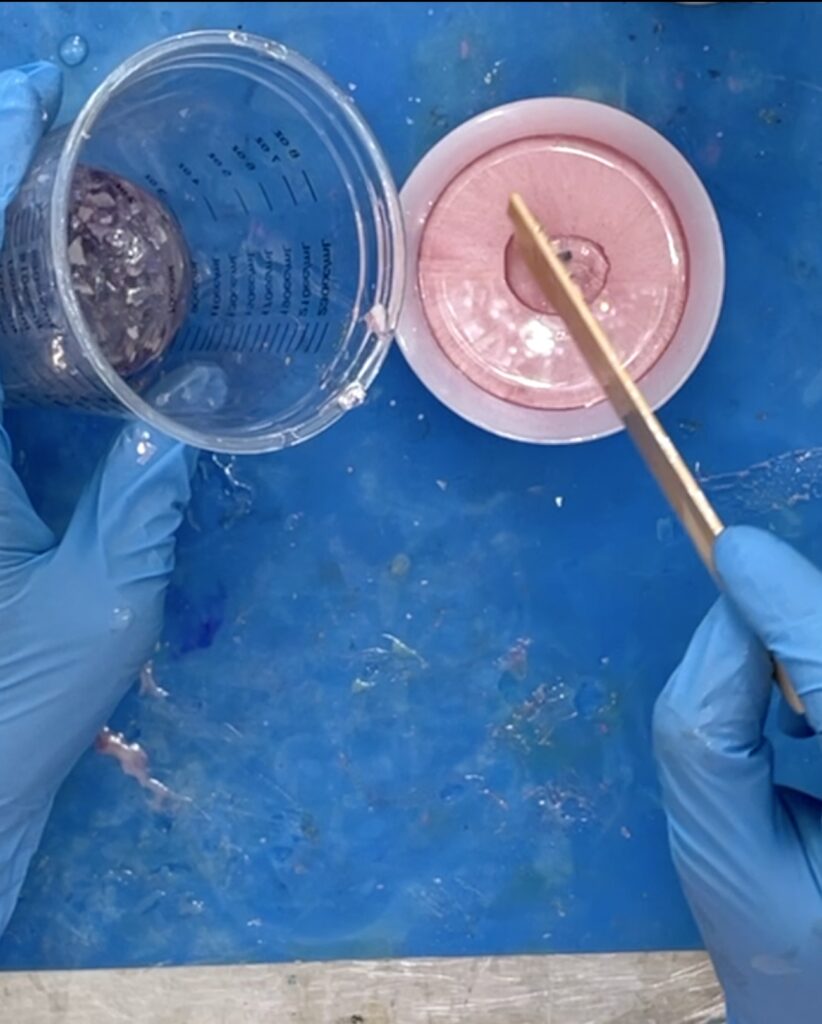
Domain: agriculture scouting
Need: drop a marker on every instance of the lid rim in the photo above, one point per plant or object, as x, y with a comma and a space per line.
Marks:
639, 142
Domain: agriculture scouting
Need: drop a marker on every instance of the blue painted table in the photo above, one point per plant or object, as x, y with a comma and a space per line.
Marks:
411, 666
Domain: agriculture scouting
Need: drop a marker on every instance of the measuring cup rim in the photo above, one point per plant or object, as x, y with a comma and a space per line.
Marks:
79, 133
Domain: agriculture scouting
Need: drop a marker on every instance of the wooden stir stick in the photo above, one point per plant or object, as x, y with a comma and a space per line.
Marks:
686, 497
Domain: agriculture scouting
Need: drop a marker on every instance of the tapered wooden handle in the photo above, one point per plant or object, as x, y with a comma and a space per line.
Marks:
676, 480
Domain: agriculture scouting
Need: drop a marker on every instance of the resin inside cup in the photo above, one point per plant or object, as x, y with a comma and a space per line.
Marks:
612, 224
130, 268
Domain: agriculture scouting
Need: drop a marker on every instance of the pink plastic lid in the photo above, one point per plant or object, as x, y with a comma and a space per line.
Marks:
634, 226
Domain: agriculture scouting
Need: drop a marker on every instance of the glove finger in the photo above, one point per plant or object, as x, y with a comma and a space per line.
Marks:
29, 99
738, 850
137, 497
133, 505
47, 80
728, 828
23, 534
805, 810
790, 722
779, 595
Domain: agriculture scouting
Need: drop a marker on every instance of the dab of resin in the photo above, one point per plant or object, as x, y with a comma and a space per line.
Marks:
130, 268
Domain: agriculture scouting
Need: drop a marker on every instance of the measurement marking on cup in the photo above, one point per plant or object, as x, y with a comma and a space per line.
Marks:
25, 227
23, 232
302, 338
274, 339
310, 186
310, 342
265, 195
239, 195
321, 338
293, 338
287, 184
255, 345
190, 335
210, 208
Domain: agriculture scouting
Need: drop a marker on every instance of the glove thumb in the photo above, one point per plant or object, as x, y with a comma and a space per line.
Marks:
779, 595
29, 98
133, 505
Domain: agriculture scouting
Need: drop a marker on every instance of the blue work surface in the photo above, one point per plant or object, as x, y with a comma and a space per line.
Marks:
411, 666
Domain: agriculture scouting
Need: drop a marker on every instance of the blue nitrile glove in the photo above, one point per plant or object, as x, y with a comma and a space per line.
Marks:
79, 616
749, 852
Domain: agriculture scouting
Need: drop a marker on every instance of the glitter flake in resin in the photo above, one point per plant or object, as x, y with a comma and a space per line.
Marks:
614, 228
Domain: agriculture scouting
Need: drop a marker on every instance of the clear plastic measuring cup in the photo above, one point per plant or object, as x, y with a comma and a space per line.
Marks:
292, 228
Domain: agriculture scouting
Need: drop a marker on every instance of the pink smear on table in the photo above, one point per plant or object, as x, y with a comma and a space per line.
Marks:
149, 687
133, 760
613, 227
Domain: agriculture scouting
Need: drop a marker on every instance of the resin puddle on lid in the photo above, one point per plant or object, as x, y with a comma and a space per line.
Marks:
611, 223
